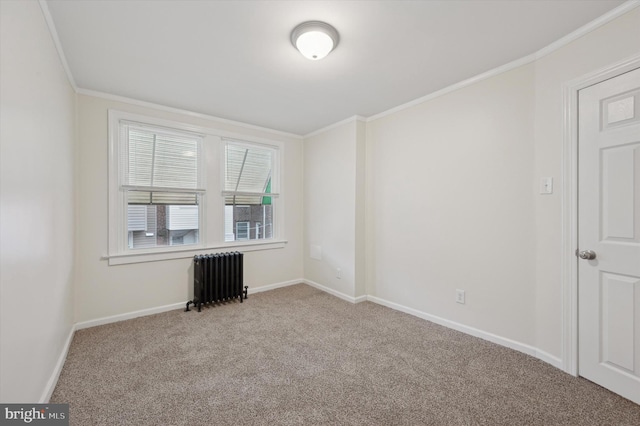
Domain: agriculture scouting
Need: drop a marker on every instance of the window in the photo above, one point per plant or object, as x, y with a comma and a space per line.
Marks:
242, 230
249, 193
160, 183
177, 189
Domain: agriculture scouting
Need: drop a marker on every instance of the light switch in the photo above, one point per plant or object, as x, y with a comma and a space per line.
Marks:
546, 185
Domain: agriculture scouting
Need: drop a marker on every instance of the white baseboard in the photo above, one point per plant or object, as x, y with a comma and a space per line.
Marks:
360, 299
274, 286
549, 359
503, 341
335, 292
53, 380
166, 308
521, 347
129, 315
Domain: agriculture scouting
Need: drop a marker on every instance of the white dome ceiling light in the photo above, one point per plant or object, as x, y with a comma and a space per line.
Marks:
314, 39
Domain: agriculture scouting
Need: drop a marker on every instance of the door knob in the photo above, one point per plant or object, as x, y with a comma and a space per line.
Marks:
587, 254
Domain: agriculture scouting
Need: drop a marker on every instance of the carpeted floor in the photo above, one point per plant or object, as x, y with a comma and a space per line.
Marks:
297, 355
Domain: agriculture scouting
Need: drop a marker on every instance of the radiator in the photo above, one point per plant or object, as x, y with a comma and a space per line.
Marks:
217, 278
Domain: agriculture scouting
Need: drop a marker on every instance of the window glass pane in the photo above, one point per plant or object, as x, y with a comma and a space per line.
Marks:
164, 166
162, 225
248, 222
248, 208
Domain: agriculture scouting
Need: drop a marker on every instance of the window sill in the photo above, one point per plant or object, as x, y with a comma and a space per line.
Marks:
124, 259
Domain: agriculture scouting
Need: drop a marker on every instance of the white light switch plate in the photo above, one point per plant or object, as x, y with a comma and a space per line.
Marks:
546, 185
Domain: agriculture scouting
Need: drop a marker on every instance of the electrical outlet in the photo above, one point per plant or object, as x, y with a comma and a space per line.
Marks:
460, 296
339, 273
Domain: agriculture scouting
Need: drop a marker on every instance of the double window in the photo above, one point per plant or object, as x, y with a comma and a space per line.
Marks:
177, 187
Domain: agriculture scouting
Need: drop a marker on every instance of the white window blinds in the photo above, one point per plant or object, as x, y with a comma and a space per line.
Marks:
248, 174
160, 167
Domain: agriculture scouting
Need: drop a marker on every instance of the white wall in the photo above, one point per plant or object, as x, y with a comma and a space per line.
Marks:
360, 210
330, 206
608, 44
452, 206
103, 290
452, 195
37, 115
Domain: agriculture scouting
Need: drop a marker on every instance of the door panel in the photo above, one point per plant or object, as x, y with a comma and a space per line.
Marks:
609, 224
618, 192
617, 308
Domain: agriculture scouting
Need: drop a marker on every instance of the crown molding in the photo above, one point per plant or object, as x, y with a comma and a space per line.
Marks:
625, 7
457, 86
56, 41
159, 107
334, 125
585, 29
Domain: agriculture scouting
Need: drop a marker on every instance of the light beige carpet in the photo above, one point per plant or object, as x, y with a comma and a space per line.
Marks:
297, 355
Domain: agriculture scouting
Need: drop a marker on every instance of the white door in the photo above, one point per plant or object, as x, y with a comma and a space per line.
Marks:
609, 227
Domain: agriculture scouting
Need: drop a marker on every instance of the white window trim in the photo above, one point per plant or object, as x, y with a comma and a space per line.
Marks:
118, 240
277, 224
211, 236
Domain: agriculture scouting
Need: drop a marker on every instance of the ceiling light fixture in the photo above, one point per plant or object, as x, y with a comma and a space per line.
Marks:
314, 39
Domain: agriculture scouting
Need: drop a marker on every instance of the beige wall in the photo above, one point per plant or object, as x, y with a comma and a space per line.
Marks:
37, 116
330, 207
360, 209
452, 197
452, 206
103, 290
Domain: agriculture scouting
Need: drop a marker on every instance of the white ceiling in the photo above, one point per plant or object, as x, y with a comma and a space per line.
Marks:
234, 59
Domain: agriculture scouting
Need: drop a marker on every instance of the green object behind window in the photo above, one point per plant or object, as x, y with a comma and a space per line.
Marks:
266, 201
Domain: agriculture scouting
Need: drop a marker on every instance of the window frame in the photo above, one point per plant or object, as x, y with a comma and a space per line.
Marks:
276, 178
211, 203
126, 188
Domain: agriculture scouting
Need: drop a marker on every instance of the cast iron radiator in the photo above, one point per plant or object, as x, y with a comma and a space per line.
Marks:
217, 278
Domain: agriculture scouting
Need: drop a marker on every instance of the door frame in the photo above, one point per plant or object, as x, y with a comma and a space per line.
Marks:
570, 203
